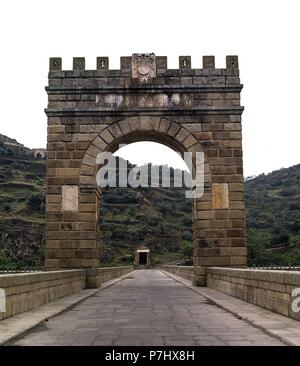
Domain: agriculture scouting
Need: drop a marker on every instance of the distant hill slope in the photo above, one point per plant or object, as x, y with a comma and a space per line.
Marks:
7, 141
22, 216
159, 217
273, 217
10, 147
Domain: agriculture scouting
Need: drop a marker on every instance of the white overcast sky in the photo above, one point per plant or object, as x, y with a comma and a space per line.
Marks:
264, 34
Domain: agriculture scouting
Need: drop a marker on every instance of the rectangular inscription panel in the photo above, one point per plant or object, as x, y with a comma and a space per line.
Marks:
220, 199
150, 100
69, 198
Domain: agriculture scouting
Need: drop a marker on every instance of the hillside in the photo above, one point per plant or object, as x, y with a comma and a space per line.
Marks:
22, 208
159, 217
273, 217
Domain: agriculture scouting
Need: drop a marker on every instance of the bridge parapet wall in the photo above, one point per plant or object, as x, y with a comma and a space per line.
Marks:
26, 291
186, 272
108, 273
270, 289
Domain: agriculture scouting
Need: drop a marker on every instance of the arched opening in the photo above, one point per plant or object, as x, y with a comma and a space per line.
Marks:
144, 128
144, 152
156, 213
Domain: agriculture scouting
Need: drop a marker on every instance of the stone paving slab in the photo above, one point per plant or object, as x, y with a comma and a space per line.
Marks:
11, 328
283, 328
149, 308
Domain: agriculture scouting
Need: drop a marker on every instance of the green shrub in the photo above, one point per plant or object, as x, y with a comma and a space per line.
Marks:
36, 201
7, 207
187, 221
187, 250
186, 235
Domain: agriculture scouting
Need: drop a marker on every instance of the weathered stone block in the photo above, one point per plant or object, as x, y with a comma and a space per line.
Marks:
232, 65
220, 197
185, 62
55, 63
173, 129
70, 198
208, 62
78, 63
125, 62
161, 62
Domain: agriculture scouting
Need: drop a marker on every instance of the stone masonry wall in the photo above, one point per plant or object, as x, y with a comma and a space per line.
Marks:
109, 273
188, 109
186, 272
26, 291
266, 288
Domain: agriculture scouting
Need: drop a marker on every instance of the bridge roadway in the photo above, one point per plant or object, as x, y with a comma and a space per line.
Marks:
147, 308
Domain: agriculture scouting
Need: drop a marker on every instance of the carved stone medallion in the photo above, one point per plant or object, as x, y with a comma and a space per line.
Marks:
143, 66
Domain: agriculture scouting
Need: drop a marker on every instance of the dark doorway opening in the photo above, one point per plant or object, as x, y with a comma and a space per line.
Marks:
143, 258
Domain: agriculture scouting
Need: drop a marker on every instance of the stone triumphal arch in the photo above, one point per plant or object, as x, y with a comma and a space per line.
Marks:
187, 109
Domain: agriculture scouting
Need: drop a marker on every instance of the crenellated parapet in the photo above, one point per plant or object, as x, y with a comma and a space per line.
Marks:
143, 69
144, 81
185, 63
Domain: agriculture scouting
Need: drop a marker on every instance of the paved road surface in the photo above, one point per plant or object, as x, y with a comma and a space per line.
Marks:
147, 308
